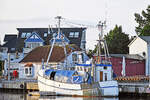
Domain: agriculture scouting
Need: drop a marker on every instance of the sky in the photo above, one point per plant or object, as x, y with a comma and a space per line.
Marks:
40, 13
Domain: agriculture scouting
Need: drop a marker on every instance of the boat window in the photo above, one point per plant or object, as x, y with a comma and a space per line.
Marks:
89, 69
105, 67
74, 58
105, 76
82, 57
52, 75
30, 70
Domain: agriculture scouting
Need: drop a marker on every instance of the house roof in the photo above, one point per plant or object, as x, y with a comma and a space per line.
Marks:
39, 53
34, 37
145, 38
62, 38
41, 31
11, 44
129, 56
9, 37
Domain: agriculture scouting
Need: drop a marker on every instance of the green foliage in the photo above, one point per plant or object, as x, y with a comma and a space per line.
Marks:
92, 52
143, 20
117, 41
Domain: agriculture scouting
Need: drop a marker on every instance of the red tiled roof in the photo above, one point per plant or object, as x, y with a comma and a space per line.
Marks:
29, 64
39, 53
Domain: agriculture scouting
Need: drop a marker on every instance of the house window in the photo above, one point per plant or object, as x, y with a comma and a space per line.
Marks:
28, 34
71, 34
76, 34
23, 35
12, 49
28, 71
33, 45
45, 34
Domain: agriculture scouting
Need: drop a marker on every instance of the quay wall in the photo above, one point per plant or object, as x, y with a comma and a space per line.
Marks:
124, 87
139, 88
19, 85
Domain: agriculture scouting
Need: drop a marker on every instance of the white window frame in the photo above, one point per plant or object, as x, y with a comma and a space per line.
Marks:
28, 34
76, 34
71, 34
28, 71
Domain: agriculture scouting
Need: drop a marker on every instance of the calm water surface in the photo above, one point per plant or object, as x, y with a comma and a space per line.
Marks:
10, 96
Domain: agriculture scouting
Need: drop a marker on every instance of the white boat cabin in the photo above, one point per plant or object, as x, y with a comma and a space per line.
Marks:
103, 72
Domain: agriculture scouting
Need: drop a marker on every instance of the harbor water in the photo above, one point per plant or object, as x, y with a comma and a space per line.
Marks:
15, 96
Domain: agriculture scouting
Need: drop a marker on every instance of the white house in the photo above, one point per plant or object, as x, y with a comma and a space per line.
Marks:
31, 63
141, 45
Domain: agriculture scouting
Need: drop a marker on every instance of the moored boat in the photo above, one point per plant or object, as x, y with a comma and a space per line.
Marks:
81, 79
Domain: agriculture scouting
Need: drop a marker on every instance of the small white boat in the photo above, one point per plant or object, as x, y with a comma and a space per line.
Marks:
83, 80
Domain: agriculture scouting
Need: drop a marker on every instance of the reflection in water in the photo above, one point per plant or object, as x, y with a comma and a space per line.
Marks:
75, 98
11, 96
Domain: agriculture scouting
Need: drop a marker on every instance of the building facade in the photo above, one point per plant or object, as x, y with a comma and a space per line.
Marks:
141, 46
75, 36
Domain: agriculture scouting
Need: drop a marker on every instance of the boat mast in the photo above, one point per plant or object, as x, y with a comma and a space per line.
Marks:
58, 37
102, 42
59, 19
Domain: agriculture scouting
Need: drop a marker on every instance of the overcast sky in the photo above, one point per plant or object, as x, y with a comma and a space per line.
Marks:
40, 13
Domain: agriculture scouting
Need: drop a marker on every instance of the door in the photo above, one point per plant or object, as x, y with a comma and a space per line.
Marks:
101, 76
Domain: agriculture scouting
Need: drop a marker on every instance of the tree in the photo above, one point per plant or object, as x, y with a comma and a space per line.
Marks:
117, 41
92, 52
143, 20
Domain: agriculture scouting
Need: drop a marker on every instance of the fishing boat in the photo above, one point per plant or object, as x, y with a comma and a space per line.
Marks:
91, 78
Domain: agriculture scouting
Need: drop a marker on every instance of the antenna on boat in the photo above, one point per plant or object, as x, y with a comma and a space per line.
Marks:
102, 42
59, 20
